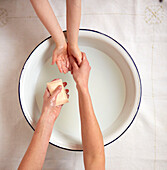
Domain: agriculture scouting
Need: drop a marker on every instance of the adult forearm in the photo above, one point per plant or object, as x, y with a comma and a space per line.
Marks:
36, 152
91, 134
49, 20
73, 21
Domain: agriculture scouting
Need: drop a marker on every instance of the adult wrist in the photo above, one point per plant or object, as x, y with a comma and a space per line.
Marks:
82, 89
44, 126
46, 118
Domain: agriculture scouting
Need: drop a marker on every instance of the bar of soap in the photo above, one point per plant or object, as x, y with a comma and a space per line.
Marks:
62, 96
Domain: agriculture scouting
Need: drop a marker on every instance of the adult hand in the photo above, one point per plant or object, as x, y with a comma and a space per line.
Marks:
81, 73
75, 52
49, 103
61, 58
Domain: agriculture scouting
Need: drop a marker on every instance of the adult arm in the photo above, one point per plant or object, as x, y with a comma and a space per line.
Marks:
73, 23
36, 152
92, 140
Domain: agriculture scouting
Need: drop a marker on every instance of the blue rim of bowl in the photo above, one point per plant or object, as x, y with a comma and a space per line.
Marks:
130, 58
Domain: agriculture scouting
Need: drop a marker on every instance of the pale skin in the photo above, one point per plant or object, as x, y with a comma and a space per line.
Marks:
36, 152
49, 20
92, 140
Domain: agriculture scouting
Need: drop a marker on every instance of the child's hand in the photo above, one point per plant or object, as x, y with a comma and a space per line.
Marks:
75, 52
60, 56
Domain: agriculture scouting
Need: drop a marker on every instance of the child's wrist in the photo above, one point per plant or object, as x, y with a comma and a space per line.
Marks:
61, 45
72, 45
60, 41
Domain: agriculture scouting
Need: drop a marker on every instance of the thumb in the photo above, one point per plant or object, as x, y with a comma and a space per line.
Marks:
73, 63
54, 59
54, 56
84, 59
53, 97
46, 94
84, 56
79, 58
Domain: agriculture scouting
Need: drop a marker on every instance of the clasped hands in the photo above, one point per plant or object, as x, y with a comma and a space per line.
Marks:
67, 59
61, 55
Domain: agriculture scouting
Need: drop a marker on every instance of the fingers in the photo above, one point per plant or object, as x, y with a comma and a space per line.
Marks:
53, 59
55, 79
67, 63
73, 63
84, 56
58, 62
70, 67
53, 97
46, 94
65, 69
63, 64
64, 84
67, 90
79, 59
84, 59
55, 93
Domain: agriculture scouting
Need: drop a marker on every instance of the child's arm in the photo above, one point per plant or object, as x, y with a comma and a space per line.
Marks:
73, 22
49, 20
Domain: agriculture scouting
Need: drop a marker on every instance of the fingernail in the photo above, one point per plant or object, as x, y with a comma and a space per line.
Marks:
55, 79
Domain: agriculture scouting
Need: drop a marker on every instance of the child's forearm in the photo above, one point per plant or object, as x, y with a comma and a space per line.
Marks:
36, 152
73, 21
49, 20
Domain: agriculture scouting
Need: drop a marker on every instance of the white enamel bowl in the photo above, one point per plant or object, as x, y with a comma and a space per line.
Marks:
114, 84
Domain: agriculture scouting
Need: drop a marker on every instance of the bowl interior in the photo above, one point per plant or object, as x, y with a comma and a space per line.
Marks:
114, 88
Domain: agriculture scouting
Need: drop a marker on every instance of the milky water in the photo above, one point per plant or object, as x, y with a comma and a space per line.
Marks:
107, 89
